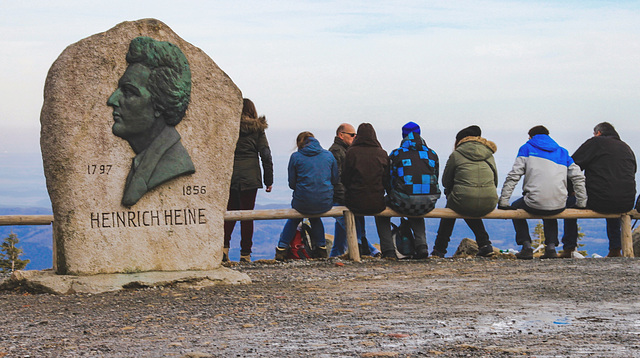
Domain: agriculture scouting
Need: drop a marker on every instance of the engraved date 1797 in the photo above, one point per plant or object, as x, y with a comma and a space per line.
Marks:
99, 169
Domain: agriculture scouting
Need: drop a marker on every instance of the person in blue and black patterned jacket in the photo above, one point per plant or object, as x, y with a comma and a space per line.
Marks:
414, 190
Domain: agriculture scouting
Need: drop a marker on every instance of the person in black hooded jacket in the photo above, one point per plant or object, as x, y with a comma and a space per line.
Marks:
246, 178
609, 166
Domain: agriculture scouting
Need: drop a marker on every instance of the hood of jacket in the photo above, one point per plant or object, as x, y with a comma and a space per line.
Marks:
312, 148
543, 142
476, 148
250, 125
366, 137
413, 141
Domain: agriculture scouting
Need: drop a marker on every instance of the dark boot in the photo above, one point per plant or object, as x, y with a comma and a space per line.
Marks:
281, 254
550, 252
567, 253
485, 251
321, 252
526, 253
421, 252
438, 254
389, 255
615, 253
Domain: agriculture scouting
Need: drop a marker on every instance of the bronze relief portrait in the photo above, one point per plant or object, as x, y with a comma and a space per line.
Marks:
151, 99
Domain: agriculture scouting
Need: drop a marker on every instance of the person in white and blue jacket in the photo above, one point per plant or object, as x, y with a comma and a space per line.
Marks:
546, 167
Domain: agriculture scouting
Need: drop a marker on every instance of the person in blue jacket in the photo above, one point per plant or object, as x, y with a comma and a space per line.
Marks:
545, 166
312, 174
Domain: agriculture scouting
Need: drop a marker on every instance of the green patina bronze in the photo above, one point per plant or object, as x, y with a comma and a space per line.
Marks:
151, 99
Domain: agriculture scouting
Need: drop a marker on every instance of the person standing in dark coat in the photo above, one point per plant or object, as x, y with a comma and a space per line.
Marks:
246, 178
609, 166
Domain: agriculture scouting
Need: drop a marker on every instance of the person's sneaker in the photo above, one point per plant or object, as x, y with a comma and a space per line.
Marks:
615, 253
525, 254
567, 253
549, 254
281, 254
438, 254
225, 254
321, 252
245, 258
485, 251
378, 255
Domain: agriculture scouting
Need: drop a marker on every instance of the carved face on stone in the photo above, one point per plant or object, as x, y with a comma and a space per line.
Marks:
133, 110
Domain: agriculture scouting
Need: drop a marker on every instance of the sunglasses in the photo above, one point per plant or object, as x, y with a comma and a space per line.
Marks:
350, 134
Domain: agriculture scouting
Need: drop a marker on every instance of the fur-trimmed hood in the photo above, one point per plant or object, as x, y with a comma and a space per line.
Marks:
250, 125
489, 144
476, 148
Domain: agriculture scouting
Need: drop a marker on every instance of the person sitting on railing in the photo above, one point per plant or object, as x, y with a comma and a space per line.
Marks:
345, 134
412, 190
364, 170
609, 166
470, 178
546, 167
312, 174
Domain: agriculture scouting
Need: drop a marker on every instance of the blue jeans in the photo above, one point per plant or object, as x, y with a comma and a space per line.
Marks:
340, 236
289, 231
522, 228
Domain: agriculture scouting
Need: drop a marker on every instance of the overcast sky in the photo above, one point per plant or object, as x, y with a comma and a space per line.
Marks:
309, 65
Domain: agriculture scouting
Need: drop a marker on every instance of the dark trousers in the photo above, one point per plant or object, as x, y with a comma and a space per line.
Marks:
570, 237
522, 228
241, 200
446, 228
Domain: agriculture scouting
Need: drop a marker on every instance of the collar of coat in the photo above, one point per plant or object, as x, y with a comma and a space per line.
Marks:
489, 144
250, 125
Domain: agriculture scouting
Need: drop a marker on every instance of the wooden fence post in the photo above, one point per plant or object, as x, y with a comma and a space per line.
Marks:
352, 238
627, 237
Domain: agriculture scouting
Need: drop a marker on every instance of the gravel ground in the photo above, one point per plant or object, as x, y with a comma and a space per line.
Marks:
444, 307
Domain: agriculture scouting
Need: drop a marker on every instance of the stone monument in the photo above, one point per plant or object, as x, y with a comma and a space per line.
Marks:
138, 137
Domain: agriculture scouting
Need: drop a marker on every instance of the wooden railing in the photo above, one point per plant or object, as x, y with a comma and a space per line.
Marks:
352, 242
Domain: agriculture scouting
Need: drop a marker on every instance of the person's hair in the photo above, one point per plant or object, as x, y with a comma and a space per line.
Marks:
605, 128
170, 77
341, 128
301, 140
249, 109
538, 130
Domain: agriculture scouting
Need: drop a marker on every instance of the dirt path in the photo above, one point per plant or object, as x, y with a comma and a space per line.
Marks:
444, 308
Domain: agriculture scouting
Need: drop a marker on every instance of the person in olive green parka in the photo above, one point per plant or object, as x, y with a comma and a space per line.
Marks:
470, 179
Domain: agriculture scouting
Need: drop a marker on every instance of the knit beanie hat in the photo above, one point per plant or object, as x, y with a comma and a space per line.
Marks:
410, 127
471, 131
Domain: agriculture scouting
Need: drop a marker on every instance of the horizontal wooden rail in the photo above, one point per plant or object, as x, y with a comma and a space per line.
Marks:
336, 211
274, 214
9, 220
627, 239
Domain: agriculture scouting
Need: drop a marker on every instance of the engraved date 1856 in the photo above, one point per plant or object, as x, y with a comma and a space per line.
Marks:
194, 189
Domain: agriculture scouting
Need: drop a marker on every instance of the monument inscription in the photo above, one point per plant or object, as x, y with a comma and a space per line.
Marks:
138, 182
